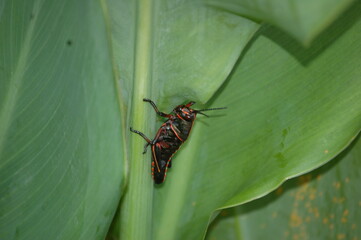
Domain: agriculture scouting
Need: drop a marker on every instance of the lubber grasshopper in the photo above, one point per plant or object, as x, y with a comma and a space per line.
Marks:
170, 136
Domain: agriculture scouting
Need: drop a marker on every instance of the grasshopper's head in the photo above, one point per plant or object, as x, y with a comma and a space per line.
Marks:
189, 114
185, 112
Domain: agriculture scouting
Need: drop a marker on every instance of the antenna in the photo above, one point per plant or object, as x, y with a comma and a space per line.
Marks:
209, 109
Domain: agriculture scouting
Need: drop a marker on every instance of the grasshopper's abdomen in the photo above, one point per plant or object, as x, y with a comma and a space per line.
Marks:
171, 136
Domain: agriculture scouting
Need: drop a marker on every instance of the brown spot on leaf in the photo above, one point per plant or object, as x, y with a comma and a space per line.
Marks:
304, 179
279, 191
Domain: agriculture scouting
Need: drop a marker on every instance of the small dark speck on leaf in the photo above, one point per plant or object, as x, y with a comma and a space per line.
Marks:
69, 42
32, 16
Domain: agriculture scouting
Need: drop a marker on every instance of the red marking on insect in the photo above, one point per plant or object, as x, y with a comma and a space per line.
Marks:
176, 133
170, 136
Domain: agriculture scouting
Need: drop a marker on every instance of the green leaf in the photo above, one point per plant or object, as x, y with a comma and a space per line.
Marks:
322, 204
174, 52
72, 78
61, 148
304, 20
290, 110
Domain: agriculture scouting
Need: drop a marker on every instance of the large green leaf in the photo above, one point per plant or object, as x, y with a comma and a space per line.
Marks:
289, 111
322, 204
72, 79
302, 19
61, 154
275, 121
175, 50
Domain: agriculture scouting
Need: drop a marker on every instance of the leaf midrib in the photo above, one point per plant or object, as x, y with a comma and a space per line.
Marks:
136, 214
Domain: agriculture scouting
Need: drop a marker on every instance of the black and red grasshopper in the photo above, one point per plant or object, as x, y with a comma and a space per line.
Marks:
170, 136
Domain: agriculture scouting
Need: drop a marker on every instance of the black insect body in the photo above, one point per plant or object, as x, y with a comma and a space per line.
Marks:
170, 136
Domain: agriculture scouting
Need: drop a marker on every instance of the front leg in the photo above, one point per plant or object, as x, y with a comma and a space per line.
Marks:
149, 142
162, 114
146, 147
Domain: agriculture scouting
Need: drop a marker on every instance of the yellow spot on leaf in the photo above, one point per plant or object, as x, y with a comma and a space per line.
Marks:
312, 194
325, 220
337, 185
295, 237
316, 212
341, 236
331, 226
295, 219
345, 212
300, 195
326, 151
